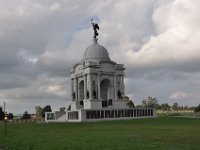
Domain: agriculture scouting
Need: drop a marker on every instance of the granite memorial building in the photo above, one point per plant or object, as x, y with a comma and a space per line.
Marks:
97, 88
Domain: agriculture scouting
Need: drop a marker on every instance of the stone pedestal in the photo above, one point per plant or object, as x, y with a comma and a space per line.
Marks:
120, 104
92, 104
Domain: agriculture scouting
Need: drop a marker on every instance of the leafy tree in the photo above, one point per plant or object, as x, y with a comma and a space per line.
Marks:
38, 111
47, 108
181, 107
197, 109
69, 107
165, 106
62, 108
186, 107
126, 98
26, 115
150, 102
130, 104
10, 116
175, 106
191, 108
1, 113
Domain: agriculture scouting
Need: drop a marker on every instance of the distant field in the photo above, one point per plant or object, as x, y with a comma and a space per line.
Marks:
178, 113
163, 133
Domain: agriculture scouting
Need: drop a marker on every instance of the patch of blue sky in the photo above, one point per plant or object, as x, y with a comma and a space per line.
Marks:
68, 38
86, 23
83, 25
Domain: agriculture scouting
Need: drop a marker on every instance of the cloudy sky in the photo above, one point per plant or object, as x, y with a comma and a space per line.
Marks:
158, 41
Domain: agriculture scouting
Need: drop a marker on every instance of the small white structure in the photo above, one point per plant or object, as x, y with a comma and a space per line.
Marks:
97, 85
56, 116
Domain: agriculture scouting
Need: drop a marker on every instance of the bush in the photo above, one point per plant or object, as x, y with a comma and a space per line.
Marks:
26, 115
10, 116
2, 114
197, 109
174, 114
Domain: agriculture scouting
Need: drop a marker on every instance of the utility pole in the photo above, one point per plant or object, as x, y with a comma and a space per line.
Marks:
4, 107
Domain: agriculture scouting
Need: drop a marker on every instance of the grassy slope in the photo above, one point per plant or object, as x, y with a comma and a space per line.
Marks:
161, 133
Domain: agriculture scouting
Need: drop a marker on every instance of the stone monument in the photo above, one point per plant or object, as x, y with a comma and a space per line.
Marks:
97, 88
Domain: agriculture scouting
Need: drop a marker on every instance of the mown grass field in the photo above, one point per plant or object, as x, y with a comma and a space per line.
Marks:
162, 133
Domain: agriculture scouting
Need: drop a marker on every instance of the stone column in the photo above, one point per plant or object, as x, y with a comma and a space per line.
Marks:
99, 87
123, 90
72, 88
115, 87
90, 85
76, 87
85, 87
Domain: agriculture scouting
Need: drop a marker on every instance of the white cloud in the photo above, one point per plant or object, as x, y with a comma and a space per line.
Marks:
33, 60
178, 95
176, 41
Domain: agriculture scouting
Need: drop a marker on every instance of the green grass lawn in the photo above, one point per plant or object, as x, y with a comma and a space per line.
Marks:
163, 133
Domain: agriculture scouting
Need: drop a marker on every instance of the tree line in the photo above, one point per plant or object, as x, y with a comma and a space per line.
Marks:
150, 102
39, 112
153, 103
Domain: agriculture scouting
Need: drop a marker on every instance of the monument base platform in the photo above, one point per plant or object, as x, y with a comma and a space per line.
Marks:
89, 115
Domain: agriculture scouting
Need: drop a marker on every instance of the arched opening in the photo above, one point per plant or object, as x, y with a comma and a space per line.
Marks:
105, 87
81, 92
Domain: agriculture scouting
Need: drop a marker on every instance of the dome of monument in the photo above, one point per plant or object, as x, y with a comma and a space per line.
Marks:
96, 52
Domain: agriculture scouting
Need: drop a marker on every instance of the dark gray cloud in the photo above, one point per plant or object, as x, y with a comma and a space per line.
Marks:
9, 81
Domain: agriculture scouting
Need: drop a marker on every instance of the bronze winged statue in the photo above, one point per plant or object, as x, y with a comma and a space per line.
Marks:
95, 28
